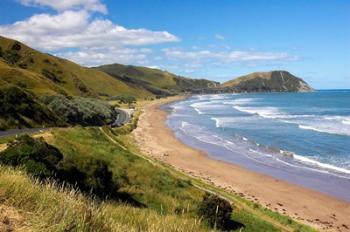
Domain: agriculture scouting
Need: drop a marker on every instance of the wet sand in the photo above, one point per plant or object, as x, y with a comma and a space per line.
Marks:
307, 206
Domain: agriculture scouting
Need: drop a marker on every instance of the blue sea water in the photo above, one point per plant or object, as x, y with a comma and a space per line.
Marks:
299, 137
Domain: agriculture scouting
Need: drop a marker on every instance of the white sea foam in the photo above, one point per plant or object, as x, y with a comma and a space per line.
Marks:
322, 124
211, 96
346, 121
207, 105
320, 165
336, 129
241, 101
265, 112
217, 121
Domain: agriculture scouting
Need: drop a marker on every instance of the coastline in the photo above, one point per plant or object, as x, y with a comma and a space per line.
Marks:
307, 206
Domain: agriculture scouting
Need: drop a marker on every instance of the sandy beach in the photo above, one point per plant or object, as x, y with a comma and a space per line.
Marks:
319, 210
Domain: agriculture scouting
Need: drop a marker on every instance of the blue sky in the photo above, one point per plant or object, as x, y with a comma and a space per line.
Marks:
210, 39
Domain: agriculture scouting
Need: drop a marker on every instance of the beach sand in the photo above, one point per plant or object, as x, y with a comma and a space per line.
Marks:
155, 139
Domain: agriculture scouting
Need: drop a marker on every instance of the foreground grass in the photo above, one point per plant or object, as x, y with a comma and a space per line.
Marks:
50, 207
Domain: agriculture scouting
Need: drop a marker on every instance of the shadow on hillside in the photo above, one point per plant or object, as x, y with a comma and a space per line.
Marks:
233, 226
128, 199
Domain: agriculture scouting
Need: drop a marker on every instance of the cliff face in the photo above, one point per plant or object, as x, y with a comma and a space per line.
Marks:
274, 81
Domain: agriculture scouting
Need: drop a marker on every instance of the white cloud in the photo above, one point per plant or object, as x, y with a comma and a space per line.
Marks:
75, 29
62, 5
219, 37
226, 56
99, 56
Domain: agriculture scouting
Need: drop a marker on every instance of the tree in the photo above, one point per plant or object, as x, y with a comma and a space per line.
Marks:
215, 211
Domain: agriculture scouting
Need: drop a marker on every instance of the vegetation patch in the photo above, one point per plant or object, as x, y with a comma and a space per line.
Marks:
81, 111
20, 108
36, 156
52, 76
45, 161
216, 212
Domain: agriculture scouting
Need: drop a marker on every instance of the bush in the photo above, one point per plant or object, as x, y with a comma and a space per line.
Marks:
22, 108
82, 111
36, 156
215, 211
93, 176
44, 161
126, 99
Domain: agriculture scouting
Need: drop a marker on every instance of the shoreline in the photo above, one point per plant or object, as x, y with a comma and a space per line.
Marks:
157, 140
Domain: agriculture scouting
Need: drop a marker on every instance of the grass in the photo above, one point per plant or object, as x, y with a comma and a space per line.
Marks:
50, 207
31, 68
153, 187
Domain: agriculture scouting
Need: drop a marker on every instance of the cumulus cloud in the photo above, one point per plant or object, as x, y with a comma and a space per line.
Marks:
100, 56
75, 29
61, 5
76, 33
226, 56
219, 37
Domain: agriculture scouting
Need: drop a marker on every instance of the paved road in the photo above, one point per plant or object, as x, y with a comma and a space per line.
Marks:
122, 118
20, 131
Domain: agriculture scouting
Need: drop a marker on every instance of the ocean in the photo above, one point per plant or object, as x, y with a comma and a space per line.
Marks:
303, 138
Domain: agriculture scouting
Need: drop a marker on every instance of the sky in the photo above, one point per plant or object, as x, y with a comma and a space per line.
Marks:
213, 39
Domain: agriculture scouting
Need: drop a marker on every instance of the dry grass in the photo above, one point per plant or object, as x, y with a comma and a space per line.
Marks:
50, 207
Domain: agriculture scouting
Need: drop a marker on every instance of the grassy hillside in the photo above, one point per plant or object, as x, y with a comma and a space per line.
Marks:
169, 198
46, 74
157, 81
274, 81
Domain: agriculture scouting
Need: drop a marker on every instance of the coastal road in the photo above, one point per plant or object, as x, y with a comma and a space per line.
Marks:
21, 131
122, 118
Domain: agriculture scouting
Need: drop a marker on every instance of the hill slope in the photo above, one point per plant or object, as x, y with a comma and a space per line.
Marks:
156, 81
46, 74
274, 81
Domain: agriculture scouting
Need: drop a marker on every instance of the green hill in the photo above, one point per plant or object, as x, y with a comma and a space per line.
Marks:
274, 81
44, 74
156, 81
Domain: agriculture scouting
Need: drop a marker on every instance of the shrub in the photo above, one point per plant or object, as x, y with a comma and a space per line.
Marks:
36, 156
127, 99
16, 46
44, 161
52, 76
93, 176
20, 107
215, 211
82, 111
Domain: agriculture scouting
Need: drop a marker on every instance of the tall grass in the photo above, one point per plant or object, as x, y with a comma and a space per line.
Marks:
50, 207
